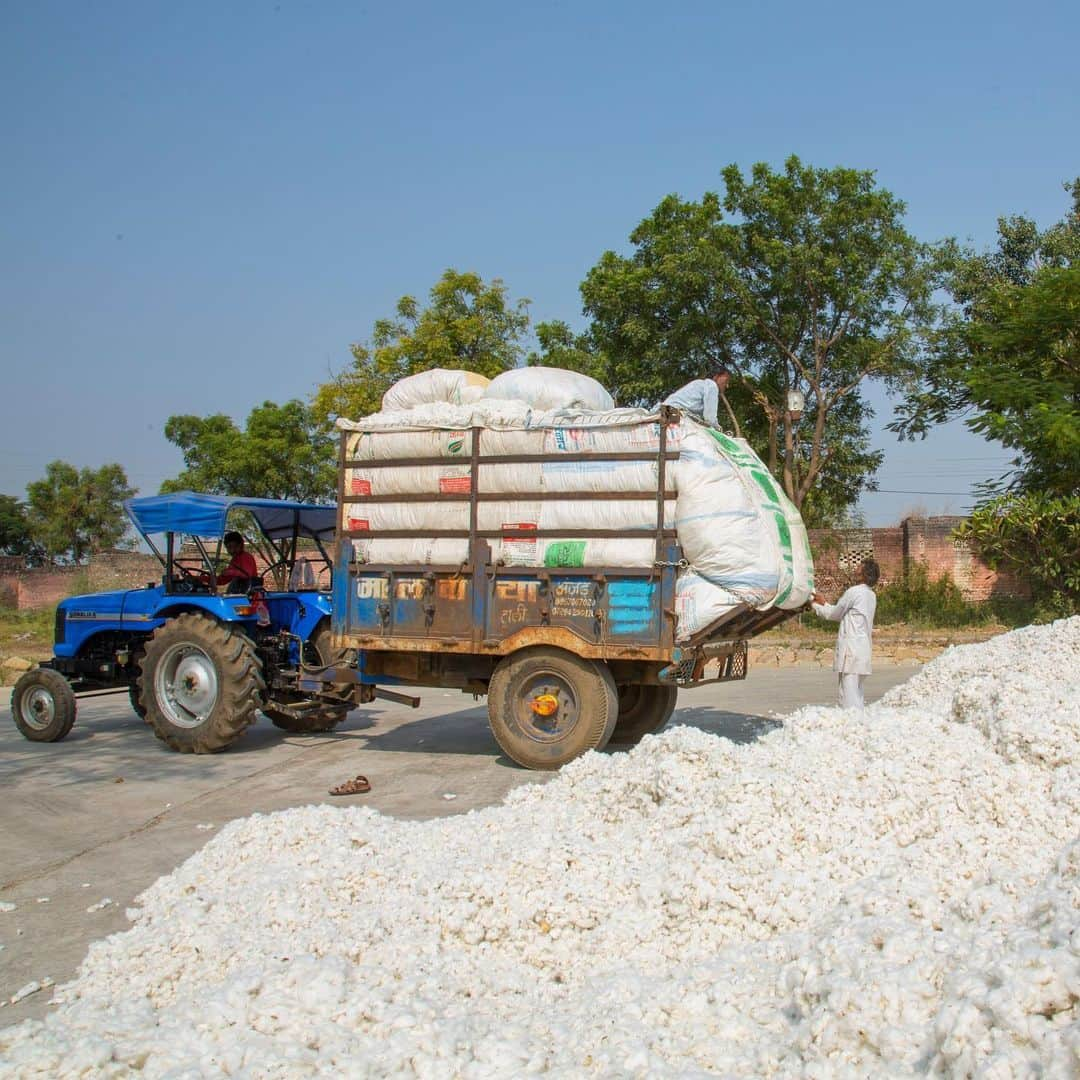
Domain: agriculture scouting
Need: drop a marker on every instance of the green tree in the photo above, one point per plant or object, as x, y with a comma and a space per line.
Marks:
560, 347
468, 325
72, 512
15, 538
1037, 536
1008, 358
282, 453
801, 280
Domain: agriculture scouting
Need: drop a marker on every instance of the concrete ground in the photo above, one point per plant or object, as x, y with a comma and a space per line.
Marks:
108, 810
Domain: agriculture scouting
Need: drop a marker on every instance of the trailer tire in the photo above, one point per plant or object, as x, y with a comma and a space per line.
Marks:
643, 710
581, 694
200, 683
43, 705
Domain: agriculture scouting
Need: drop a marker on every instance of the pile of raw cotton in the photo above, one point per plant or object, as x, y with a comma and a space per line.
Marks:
892, 892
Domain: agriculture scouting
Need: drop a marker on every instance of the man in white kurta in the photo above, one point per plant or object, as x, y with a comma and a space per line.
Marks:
854, 611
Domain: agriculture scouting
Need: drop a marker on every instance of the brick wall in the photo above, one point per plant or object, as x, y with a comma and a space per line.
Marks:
48, 585
838, 552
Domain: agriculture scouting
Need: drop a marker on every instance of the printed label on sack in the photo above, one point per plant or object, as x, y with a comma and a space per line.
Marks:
565, 553
359, 525
569, 440
649, 435
456, 442
455, 485
519, 550
361, 487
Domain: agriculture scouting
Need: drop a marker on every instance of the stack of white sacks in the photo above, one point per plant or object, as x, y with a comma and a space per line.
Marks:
742, 539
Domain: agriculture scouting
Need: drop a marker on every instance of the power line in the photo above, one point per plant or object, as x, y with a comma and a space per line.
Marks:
896, 491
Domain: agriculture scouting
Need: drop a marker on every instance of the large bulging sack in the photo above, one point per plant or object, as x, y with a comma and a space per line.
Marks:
437, 385
550, 388
743, 542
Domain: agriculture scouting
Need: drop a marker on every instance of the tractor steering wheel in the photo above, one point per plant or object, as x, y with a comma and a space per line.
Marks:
191, 579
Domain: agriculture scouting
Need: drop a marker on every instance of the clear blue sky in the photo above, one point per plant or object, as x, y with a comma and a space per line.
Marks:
205, 203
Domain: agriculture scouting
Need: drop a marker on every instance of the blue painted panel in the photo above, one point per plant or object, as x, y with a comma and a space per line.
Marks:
632, 607
369, 591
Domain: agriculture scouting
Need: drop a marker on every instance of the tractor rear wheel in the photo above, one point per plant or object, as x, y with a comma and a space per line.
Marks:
43, 705
547, 706
318, 652
643, 710
136, 704
200, 683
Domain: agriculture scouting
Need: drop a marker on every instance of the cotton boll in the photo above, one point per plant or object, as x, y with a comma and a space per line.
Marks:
837, 898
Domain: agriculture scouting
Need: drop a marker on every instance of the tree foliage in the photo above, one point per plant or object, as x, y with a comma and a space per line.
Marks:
1036, 536
1008, 358
72, 512
804, 279
560, 347
281, 453
15, 538
468, 325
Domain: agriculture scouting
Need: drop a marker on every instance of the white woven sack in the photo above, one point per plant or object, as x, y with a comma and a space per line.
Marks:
429, 552
435, 385
724, 537
699, 604
550, 388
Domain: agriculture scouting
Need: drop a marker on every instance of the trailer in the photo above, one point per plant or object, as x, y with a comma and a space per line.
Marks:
570, 657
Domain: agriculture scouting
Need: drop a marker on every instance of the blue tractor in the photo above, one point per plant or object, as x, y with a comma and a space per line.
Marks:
199, 666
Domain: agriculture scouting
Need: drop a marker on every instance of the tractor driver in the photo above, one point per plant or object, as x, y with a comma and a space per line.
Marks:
242, 567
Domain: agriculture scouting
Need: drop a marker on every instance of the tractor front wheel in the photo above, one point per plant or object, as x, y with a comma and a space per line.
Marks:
43, 705
200, 683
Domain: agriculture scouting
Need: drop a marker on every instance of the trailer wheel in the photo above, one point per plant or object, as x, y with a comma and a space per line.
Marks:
318, 651
200, 683
43, 705
547, 706
643, 710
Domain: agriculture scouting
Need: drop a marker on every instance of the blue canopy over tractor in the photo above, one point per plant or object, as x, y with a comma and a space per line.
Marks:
205, 515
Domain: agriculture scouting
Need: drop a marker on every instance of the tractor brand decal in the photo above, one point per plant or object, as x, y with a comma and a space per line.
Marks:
90, 615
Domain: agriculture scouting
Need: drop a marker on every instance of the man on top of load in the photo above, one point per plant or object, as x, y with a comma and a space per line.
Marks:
700, 399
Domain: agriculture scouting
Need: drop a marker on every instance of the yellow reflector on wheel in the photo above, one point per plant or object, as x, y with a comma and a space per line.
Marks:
544, 704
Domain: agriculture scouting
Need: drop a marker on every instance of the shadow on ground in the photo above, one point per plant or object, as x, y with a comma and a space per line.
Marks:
103, 747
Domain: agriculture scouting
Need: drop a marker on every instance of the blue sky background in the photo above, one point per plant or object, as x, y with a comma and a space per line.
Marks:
204, 204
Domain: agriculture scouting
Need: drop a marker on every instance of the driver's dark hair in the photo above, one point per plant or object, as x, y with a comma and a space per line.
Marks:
871, 571
230, 536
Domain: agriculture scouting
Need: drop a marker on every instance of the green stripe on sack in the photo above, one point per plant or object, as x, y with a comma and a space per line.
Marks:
565, 553
774, 504
788, 555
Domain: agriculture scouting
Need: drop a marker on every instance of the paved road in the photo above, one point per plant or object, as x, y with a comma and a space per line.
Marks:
109, 809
